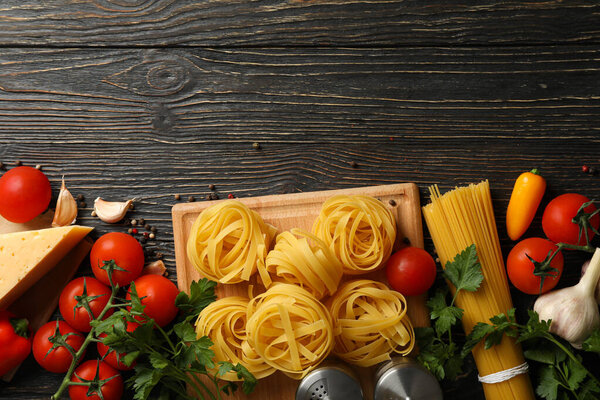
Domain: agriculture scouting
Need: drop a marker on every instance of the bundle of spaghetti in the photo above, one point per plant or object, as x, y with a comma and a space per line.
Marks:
303, 259
369, 323
224, 322
229, 242
456, 220
289, 329
359, 229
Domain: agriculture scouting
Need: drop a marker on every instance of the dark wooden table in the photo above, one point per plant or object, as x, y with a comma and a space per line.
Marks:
152, 98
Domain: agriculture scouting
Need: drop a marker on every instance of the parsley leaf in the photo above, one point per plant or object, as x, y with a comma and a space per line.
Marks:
592, 343
464, 272
202, 293
548, 386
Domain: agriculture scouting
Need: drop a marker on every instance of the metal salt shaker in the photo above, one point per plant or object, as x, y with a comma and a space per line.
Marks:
404, 379
330, 382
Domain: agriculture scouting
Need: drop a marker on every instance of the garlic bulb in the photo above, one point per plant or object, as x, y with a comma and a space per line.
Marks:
584, 268
573, 310
66, 208
111, 211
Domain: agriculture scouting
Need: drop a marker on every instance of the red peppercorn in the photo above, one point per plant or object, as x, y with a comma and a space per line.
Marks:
135, 231
585, 169
146, 234
230, 196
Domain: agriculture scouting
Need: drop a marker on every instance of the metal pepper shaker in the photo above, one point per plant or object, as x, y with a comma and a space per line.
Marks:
330, 382
404, 379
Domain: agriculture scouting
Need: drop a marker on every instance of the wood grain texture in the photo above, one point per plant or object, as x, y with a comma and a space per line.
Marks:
299, 210
295, 22
151, 123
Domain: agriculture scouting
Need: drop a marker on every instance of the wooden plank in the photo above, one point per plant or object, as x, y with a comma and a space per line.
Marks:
295, 22
299, 210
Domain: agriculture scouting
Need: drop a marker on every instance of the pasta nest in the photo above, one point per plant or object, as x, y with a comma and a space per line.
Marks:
224, 322
229, 242
303, 259
289, 329
369, 323
359, 229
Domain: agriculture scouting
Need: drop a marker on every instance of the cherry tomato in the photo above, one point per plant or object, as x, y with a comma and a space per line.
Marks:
24, 194
159, 297
558, 215
59, 359
111, 358
520, 268
15, 341
127, 253
96, 369
411, 271
78, 317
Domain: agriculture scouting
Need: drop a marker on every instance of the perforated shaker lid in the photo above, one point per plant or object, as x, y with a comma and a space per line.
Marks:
329, 383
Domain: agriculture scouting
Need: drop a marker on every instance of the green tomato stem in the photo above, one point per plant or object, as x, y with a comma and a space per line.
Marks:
89, 338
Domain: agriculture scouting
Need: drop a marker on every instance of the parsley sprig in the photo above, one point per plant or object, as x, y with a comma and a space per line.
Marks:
562, 374
437, 351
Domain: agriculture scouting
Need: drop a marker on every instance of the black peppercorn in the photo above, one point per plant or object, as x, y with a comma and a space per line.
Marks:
83, 204
1, 165
147, 226
177, 197
211, 186
80, 197
153, 229
392, 202
353, 164
214, 196
191, 198
142, 221
256, 145
143, 239
593, 171
18, 163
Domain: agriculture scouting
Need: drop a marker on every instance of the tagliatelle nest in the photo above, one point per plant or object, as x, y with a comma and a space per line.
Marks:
289, 329
229, 242
301, 258
224, 322
360, 230
370, 322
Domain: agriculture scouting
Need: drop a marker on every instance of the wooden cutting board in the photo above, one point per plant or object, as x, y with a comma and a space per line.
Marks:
299, 210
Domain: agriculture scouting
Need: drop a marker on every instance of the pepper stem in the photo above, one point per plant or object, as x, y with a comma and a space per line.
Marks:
535, 171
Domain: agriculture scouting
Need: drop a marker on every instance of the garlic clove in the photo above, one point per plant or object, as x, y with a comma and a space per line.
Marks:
155, 268
111, 211
66, 207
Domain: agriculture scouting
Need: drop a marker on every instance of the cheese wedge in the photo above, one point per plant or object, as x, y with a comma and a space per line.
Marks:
27, 256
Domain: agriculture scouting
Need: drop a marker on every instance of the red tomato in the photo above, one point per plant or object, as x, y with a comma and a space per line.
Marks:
15, 341
127, 253
557, 220
78, 317
111, 358
520, 268
24, 194
411, 271
96, 369
59, 359
159, 297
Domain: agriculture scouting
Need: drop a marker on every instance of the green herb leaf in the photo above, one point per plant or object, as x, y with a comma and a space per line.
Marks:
144, 380
548, 386
464, 272
576, 374
480, 331
592, 343
202, 293
542, 354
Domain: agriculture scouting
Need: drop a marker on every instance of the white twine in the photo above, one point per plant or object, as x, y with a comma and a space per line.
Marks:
504, 375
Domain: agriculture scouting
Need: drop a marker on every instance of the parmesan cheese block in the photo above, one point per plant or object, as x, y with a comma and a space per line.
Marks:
27, 256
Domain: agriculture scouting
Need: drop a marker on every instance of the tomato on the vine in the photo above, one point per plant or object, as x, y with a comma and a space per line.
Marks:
96, 370
124, 250
520, 268
24, 194
557, 220
58, 359
73, 311
158, 295
112, 358
411, 271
